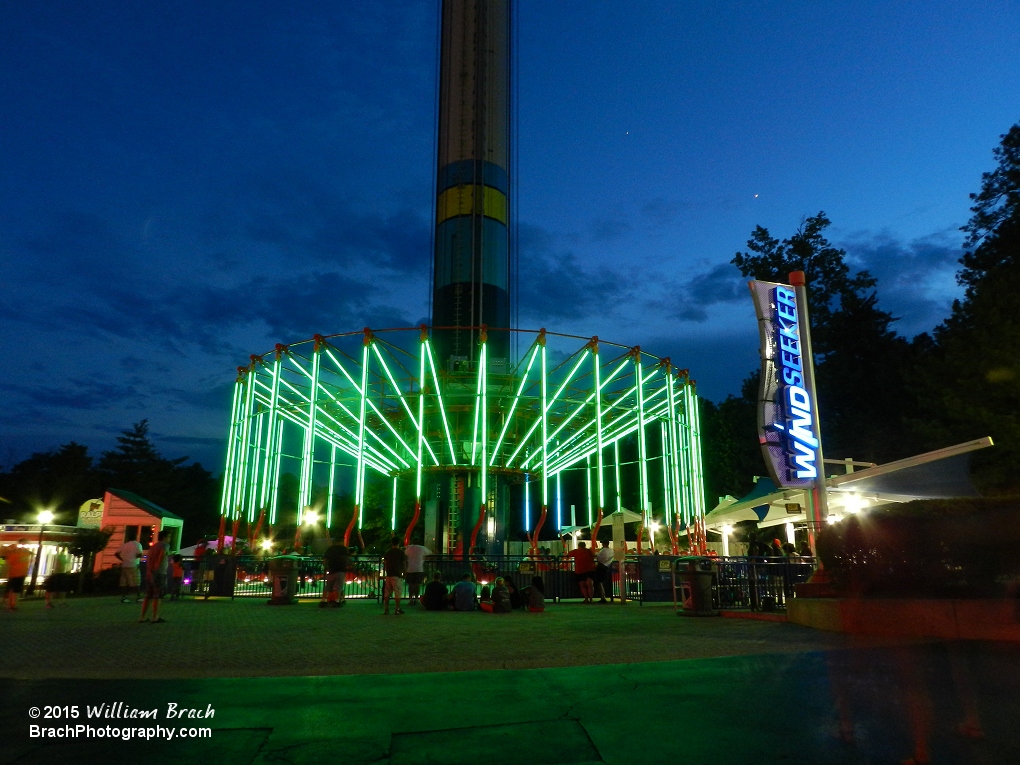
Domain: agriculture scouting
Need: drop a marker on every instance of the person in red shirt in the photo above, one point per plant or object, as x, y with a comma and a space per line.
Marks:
584, 571
18, 559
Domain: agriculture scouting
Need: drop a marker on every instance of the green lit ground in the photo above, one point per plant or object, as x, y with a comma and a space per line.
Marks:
614, 685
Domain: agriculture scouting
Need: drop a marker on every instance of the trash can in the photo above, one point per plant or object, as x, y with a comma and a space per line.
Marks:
224, 577
694, 578
283, 578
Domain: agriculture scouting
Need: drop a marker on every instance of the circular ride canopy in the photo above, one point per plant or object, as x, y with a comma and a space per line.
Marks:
338, 406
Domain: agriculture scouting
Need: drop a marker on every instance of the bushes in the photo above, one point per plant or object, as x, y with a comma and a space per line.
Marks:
928, 548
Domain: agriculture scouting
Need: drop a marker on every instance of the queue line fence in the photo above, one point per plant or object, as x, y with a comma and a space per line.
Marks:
738, 582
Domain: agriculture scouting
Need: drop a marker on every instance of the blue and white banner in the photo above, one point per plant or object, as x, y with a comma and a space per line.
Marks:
785, 407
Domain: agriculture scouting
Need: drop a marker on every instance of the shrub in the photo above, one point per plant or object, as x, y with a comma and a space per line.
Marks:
927, 548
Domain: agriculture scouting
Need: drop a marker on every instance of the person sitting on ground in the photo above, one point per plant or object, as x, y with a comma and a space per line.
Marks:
436, 598
501, 597
464, 594
516, 599
535, 595
485, 599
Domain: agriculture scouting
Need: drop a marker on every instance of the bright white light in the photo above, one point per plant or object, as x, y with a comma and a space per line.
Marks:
727, 529
311, 517
834, 518
854, 503
655, 525
267, 544
45, 516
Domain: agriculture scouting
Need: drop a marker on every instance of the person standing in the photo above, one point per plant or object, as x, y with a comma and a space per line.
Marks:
156, 564
56, 582
335, 562
394, 566
198, 566
129, 554
18, 558
415, 570
584, 570
604, 571
176, 576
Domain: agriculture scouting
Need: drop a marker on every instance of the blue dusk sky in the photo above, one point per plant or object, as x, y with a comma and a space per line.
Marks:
183, 184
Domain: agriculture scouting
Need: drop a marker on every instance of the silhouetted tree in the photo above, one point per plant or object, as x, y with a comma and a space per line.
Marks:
969, 375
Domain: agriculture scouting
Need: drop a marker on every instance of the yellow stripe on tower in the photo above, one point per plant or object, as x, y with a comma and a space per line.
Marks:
460, 200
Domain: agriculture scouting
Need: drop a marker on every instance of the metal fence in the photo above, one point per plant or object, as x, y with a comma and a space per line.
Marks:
738, 583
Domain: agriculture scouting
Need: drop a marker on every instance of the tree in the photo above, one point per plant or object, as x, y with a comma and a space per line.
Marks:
56, 480
86, 543
969, 379
729, 434
189, 491
862, 391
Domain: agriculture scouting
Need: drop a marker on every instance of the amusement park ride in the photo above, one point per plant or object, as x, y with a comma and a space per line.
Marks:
463, 427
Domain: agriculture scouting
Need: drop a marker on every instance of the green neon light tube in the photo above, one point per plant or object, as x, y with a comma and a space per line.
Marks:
308, 452
483, 401
665, 473
421, 421
587, 489
599, 466
229, 467
642, 445
360, 476
616, 470
513, 406
274, 400
442, 406
332, 486
275, 495
545, 431
393, 517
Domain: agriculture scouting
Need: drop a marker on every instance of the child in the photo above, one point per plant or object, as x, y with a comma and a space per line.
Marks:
176, 576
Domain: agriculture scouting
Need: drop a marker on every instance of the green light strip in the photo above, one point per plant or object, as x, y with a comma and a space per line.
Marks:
616, 470
579, 408
421, 420
513, 406
545, 410
359, 481
253, 493
442, 406
478, 408
228, 471
642, 446
599, 466
275, 495
393, 516
484, 461
274, 401
308, 452
241, 475
665, 473
332, 485
545, 431
674, 444
587, 489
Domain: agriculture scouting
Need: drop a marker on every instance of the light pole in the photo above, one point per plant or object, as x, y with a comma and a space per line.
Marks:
44, 517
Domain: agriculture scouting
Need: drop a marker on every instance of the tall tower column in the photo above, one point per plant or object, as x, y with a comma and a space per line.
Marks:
472, 255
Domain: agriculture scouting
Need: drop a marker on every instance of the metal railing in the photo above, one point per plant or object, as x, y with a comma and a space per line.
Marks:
764, 584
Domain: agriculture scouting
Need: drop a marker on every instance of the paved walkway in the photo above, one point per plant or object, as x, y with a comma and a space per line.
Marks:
732, 691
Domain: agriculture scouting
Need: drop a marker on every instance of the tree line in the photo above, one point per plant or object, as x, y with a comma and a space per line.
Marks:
882, 396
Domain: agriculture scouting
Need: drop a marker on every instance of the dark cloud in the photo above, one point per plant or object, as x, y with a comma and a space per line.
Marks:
690, 300
915, 277
558, 286
76, 393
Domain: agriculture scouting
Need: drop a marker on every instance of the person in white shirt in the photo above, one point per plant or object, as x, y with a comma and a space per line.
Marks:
604, 571
415, 574
129, 554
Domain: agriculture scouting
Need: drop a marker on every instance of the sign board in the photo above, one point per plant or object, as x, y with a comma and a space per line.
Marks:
793, 508
785, 408
665, 566
90, 514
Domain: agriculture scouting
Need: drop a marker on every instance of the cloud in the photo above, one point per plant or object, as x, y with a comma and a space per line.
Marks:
916, 278
557, 286
76, 393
